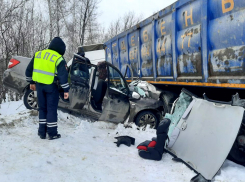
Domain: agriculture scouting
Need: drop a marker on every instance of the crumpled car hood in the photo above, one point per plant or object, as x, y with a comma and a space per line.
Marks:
145, 89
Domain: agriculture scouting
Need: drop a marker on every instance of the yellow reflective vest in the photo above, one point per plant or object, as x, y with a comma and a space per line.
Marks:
45, 66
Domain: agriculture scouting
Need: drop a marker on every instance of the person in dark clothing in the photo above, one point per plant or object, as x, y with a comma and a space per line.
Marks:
81, 53
46, 69
83, 60
102, 69
99, 93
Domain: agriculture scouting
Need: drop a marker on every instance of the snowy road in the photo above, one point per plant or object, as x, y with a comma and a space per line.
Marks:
85, 153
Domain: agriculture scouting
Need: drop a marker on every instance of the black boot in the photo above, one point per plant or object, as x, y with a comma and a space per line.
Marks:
42, 130
54, 137
41, 136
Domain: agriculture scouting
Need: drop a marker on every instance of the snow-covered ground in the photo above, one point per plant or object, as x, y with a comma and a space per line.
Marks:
86, 152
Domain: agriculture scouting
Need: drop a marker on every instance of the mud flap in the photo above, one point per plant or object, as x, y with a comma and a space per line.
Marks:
207, 138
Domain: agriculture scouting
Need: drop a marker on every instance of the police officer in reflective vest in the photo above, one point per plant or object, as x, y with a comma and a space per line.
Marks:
46, 68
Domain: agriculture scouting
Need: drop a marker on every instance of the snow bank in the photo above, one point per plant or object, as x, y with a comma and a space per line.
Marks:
86, 152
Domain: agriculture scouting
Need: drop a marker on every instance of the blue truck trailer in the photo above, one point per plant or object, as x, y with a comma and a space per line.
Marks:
196, 43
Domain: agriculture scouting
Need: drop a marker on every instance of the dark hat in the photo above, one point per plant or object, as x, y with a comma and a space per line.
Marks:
57, 45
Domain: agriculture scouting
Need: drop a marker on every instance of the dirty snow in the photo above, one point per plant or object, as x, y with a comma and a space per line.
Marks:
85, 153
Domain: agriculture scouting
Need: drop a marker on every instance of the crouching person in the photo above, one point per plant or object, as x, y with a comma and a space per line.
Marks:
46, 68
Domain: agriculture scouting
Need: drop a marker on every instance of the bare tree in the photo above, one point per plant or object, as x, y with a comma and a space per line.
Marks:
19, 33
8, 14
50, 20
80, 22
88, 13
123, 23
130, 19
24, 29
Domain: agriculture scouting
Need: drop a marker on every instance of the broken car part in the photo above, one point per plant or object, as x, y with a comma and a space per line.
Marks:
126, 140
203, 143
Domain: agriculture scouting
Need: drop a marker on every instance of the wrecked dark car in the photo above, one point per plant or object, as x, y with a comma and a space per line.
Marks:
102, 92
99, 91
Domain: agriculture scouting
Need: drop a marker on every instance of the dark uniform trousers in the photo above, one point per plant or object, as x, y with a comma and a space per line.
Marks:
48, 98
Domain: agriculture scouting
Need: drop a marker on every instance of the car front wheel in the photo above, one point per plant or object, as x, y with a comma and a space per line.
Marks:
30, 101
147, 118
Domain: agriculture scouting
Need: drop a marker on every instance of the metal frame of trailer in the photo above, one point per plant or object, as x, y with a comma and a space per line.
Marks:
191, 43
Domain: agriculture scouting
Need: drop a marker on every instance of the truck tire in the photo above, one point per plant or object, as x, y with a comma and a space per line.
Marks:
236, 155
29, 100
147, 117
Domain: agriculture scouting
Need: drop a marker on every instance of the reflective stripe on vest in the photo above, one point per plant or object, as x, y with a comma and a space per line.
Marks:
45, 63
43, 72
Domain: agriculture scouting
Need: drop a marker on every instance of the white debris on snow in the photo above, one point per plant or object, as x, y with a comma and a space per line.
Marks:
85, 152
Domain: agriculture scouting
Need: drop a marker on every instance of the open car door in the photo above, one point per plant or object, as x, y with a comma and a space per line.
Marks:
79, 83
116, 106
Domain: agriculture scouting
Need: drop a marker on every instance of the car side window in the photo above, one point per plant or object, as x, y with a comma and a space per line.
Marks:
80, 71
116, 81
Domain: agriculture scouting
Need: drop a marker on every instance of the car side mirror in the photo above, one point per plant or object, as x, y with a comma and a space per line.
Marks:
135, 95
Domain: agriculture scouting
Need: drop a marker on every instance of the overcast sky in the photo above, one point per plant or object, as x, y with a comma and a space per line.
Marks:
110, 10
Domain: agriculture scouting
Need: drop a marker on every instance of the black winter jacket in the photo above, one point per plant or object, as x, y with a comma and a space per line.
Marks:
62, 75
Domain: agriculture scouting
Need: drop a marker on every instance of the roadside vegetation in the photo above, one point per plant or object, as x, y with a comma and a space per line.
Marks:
27, 26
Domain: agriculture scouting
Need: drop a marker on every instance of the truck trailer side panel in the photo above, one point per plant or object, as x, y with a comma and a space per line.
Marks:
191, 42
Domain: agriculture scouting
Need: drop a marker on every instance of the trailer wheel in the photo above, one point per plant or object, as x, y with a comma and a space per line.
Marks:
29, 100
147, 118
237, 155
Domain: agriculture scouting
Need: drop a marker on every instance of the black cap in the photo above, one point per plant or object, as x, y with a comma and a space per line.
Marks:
57, 45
